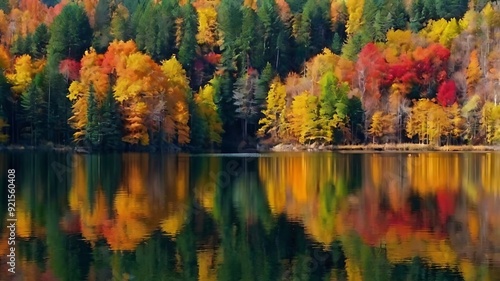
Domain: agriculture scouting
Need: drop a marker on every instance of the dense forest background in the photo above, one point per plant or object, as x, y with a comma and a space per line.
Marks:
114, 74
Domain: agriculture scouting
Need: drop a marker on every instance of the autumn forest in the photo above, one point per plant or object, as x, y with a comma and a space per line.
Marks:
198, 74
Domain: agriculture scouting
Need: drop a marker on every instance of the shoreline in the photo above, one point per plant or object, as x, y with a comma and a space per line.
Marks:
403, 147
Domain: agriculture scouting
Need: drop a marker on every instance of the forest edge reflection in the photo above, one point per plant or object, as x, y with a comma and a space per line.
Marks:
315, 215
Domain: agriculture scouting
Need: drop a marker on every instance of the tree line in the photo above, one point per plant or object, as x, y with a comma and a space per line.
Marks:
202, 74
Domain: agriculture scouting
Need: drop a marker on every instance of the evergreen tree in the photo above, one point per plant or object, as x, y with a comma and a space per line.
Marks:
429, 9
120, 24
417, 18
110, 127
249, 42
33, 106
41, 38
199, 127
71, 35
51, 3
354, 45
5, 108
275, 36
18, 47
398, 14
92, 132
356, 117
263, 84
188, 44
379, 27
58, 108
229, 18
337, 44
5, 6
155, 28
102, 36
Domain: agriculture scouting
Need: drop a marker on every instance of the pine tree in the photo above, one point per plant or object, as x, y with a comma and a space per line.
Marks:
120, 24
92, 132
250, 42
157, 40
398, 14
70, 36
263, 84
337, 44
187, 48
41, 38
18, 46
275, 36
417, 18
430, 9
379, 27
110, 127
33, 106
102, 36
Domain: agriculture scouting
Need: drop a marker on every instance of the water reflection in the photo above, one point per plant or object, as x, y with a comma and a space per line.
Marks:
298, 216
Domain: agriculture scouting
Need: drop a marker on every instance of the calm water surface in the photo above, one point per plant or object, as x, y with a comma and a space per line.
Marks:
287, 216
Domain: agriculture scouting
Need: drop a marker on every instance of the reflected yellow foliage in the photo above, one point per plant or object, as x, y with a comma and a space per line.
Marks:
206, 184
489, 177
429, 172
78, 191
307, 187
353, 271
141, 203
206, 265
174, 222
93, 211
129, 226
24, 225
93, 218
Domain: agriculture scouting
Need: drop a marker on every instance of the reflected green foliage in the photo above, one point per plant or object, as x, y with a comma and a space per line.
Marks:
238, 218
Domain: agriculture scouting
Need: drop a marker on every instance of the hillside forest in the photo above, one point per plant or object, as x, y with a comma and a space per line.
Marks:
125, 74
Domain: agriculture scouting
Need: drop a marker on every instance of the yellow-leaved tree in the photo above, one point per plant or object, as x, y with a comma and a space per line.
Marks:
24, 71
209, 114
274, 118
381, 124
303, 117
490, 121
355, 11
429, 121
91, 73
207, 26
473, 72
137, 85
176, 121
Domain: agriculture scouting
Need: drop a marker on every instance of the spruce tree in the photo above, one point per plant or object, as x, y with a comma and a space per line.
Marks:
33, 106
41, 38
92, 132
102, 36
187, 47
110, 127
337, 44
71, 35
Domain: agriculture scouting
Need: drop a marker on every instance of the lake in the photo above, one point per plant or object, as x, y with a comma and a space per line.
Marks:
279, 216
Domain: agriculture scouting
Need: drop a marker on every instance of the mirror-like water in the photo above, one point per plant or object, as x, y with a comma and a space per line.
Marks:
285, 216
